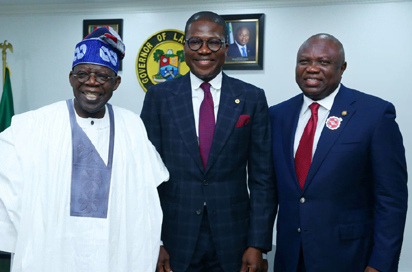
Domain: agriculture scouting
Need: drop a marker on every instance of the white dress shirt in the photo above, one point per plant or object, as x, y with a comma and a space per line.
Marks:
240, 48
304, 116
198, 95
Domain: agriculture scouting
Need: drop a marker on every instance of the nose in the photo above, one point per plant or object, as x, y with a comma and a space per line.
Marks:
204, 49
312, 68
92, 79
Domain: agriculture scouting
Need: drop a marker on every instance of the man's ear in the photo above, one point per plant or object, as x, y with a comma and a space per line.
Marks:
71, 78
343, 68
117, 83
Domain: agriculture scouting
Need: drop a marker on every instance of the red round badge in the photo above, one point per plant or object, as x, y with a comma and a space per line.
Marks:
333, 122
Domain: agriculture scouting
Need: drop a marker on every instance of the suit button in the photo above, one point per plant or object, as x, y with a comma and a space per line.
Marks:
302, 200
298, 230
205, 183
199, 212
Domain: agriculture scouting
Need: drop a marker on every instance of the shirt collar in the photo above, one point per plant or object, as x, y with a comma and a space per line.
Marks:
216, 83
97, 122
326, 102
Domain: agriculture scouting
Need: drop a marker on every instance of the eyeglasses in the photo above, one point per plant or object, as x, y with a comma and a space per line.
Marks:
214, 44
82, 77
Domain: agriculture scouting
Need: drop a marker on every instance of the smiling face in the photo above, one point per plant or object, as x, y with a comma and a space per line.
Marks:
242, 36
319, 68
204, 63
92, 96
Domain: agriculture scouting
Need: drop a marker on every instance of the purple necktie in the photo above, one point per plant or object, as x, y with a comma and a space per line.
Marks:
206, 123
303, 156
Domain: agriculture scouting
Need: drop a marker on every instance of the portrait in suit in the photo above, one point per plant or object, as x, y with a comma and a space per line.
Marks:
340, 170
241, 47
213, 133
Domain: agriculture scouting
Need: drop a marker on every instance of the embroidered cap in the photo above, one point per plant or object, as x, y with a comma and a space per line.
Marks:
103, 47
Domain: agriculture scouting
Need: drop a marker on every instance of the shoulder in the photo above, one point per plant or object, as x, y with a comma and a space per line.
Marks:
367, 97
39, 122
120, 112
364, 100
236, 83
41, 114
126, 121
232, 47
249, 93
283, 106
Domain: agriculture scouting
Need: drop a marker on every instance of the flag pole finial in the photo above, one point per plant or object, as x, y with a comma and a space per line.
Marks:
4, 46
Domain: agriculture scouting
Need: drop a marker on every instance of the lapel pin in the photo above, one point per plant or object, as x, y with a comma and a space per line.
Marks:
333, 122
344, 113
237, 101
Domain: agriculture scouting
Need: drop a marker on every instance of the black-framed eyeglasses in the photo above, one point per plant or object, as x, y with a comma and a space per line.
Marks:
82, 77
214, 44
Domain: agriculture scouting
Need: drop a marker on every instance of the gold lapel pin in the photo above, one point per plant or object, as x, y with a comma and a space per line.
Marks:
344, 113
237, 101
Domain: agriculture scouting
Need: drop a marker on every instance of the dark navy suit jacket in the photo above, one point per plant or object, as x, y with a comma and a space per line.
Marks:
240, 158
234, 51
351, 212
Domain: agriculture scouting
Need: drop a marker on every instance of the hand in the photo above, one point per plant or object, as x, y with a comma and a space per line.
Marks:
370, 269
252, 259
163, 264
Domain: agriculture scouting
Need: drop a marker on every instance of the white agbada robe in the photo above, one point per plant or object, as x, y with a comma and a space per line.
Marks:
35, 180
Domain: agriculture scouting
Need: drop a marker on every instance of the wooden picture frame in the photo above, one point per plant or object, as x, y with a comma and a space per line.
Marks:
116, 24
244, 29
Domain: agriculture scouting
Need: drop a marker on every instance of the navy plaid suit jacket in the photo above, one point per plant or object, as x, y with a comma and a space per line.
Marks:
240, 159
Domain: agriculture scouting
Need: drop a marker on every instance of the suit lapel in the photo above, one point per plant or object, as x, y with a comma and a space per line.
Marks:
289, 124
181, 109
344, 101
228, 114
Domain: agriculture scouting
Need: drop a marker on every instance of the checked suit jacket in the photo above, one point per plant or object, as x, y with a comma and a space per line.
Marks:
240, 159
352, 209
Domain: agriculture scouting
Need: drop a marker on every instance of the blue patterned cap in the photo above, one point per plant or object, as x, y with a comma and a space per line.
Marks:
103, 47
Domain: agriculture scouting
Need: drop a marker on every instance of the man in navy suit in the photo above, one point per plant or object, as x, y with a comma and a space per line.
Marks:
211, 222
347, 210
241, 46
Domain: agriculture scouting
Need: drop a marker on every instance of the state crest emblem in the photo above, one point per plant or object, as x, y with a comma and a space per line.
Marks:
169, 64
161, 58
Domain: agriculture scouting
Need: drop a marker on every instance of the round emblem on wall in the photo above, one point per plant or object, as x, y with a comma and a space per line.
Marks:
161, 58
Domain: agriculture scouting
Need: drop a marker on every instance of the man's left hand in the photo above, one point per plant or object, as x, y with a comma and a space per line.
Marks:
370, 269
252, 259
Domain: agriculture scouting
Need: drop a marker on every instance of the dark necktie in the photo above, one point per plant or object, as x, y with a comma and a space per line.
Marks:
206, 124
303, 157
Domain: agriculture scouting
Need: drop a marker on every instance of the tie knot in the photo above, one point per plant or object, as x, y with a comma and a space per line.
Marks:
314, 108
206, 87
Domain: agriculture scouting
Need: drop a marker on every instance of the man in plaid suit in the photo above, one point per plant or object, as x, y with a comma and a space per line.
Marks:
211, 222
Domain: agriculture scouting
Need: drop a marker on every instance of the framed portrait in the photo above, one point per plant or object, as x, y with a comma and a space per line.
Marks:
245, 34
116, 24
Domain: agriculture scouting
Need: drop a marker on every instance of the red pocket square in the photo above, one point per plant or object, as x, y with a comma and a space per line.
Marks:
243, 121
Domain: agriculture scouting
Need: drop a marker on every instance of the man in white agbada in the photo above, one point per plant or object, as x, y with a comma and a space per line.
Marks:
78, 178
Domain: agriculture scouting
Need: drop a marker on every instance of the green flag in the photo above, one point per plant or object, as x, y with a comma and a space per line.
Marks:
230, 33
6, 104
